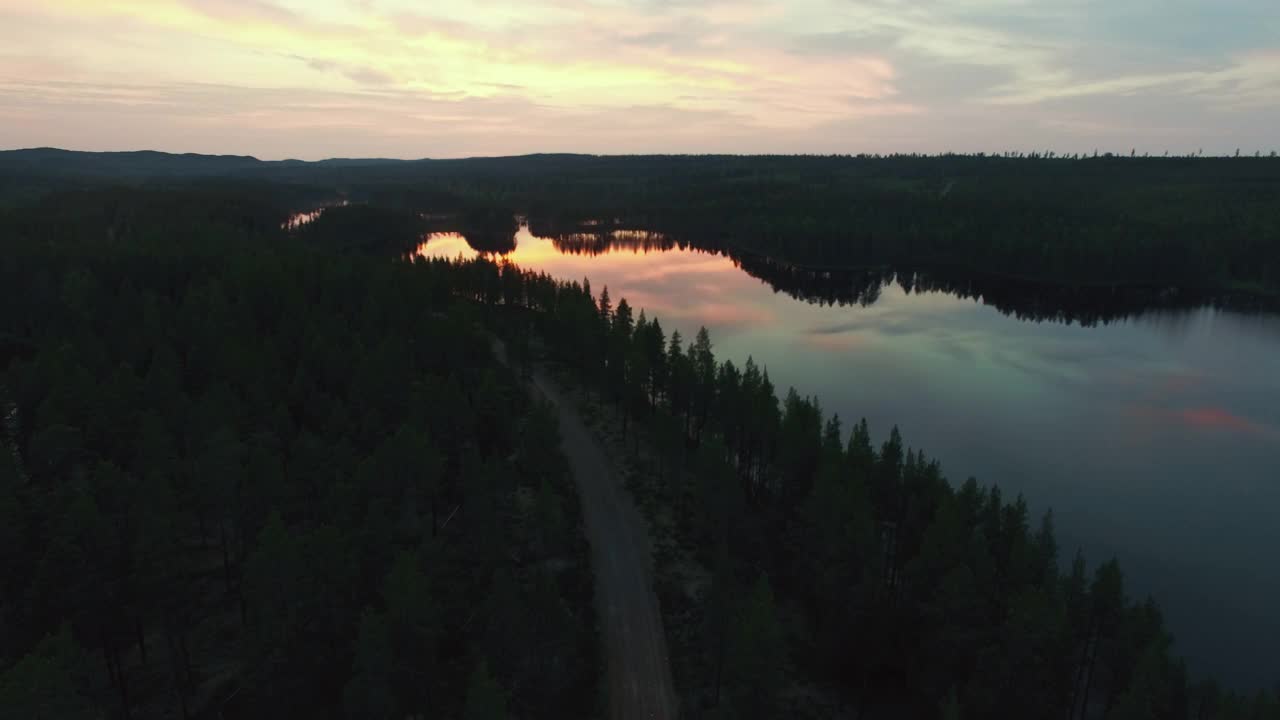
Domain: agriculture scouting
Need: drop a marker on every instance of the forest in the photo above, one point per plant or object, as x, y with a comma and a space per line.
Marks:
1111, 220
265, 481
255, 473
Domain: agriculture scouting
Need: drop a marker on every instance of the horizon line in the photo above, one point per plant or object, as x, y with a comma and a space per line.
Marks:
1096, 153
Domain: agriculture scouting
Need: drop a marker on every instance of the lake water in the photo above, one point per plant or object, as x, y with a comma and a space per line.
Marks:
1154, 438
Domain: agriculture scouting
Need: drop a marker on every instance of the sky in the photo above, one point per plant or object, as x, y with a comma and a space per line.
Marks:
311, 79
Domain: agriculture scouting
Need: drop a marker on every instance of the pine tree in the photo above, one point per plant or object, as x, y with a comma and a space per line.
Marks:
756, 663
606, 308
413, 625
485, 698
369, 694
49, 682
950, 708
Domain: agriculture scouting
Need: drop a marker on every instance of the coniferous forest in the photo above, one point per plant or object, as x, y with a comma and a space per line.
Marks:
271, 482
249, 473
1066, 219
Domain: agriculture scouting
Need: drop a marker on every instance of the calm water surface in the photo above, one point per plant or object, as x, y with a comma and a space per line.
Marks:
1156, 439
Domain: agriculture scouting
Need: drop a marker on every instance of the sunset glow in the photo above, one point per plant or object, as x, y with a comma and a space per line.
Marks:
322, 78
687, 287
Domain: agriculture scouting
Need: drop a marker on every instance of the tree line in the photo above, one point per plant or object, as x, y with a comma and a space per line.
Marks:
1185, 222
1026, 299
1190, 222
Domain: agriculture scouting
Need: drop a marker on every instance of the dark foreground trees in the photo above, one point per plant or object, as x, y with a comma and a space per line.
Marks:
241, 481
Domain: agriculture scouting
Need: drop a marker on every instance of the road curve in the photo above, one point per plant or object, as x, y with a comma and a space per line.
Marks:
640, 686
640, 683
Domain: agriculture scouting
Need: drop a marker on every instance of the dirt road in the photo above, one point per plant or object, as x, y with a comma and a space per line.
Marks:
635, 647
639, 674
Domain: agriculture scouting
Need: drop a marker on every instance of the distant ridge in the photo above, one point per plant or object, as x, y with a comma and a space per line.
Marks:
106, 154
139, 164
131, 163
33, 172
71, 168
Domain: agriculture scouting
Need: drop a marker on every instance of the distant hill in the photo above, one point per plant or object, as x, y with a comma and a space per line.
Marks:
28, 173
143, 163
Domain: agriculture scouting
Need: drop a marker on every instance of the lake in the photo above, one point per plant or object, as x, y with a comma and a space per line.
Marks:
1154, 437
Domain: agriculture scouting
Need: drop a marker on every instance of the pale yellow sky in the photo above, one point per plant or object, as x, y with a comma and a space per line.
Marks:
288, 78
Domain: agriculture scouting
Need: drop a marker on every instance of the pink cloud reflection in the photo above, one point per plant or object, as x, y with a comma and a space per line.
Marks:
1219, 419
1196, 419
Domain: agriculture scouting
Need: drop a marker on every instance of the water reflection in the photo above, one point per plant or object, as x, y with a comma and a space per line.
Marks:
299, 219
1023, 299
1149, 422
599, 243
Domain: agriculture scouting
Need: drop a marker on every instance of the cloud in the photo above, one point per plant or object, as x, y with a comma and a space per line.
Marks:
672, 75
369, 76
362, 75
244, 10
1251, 79
320, 64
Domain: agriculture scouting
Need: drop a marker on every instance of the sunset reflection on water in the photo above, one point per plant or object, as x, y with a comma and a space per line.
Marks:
1178, 411
688, 287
